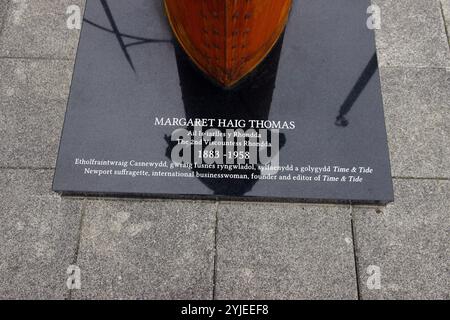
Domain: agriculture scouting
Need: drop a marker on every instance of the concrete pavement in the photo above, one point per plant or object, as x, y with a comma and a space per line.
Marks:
204, 249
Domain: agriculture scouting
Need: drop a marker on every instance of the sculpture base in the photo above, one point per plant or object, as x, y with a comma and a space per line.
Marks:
307, 125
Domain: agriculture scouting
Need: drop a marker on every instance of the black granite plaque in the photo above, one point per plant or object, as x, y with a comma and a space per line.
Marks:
311, 113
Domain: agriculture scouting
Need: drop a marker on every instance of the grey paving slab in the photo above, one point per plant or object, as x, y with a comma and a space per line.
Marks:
408, 242
445, 6
147, 250
38, 235
33, 96
284, 251
412, 34
38, 28
418, 120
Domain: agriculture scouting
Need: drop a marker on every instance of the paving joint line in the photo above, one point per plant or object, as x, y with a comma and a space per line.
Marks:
355, 255
36, 58
421, 178
414, 67
80, 231
445, 24
5, 15
27, 168
215, 251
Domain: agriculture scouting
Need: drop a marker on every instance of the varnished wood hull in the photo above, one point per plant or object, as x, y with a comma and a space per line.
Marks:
227, 39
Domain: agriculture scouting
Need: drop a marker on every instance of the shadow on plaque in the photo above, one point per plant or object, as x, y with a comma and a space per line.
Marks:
250, 99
